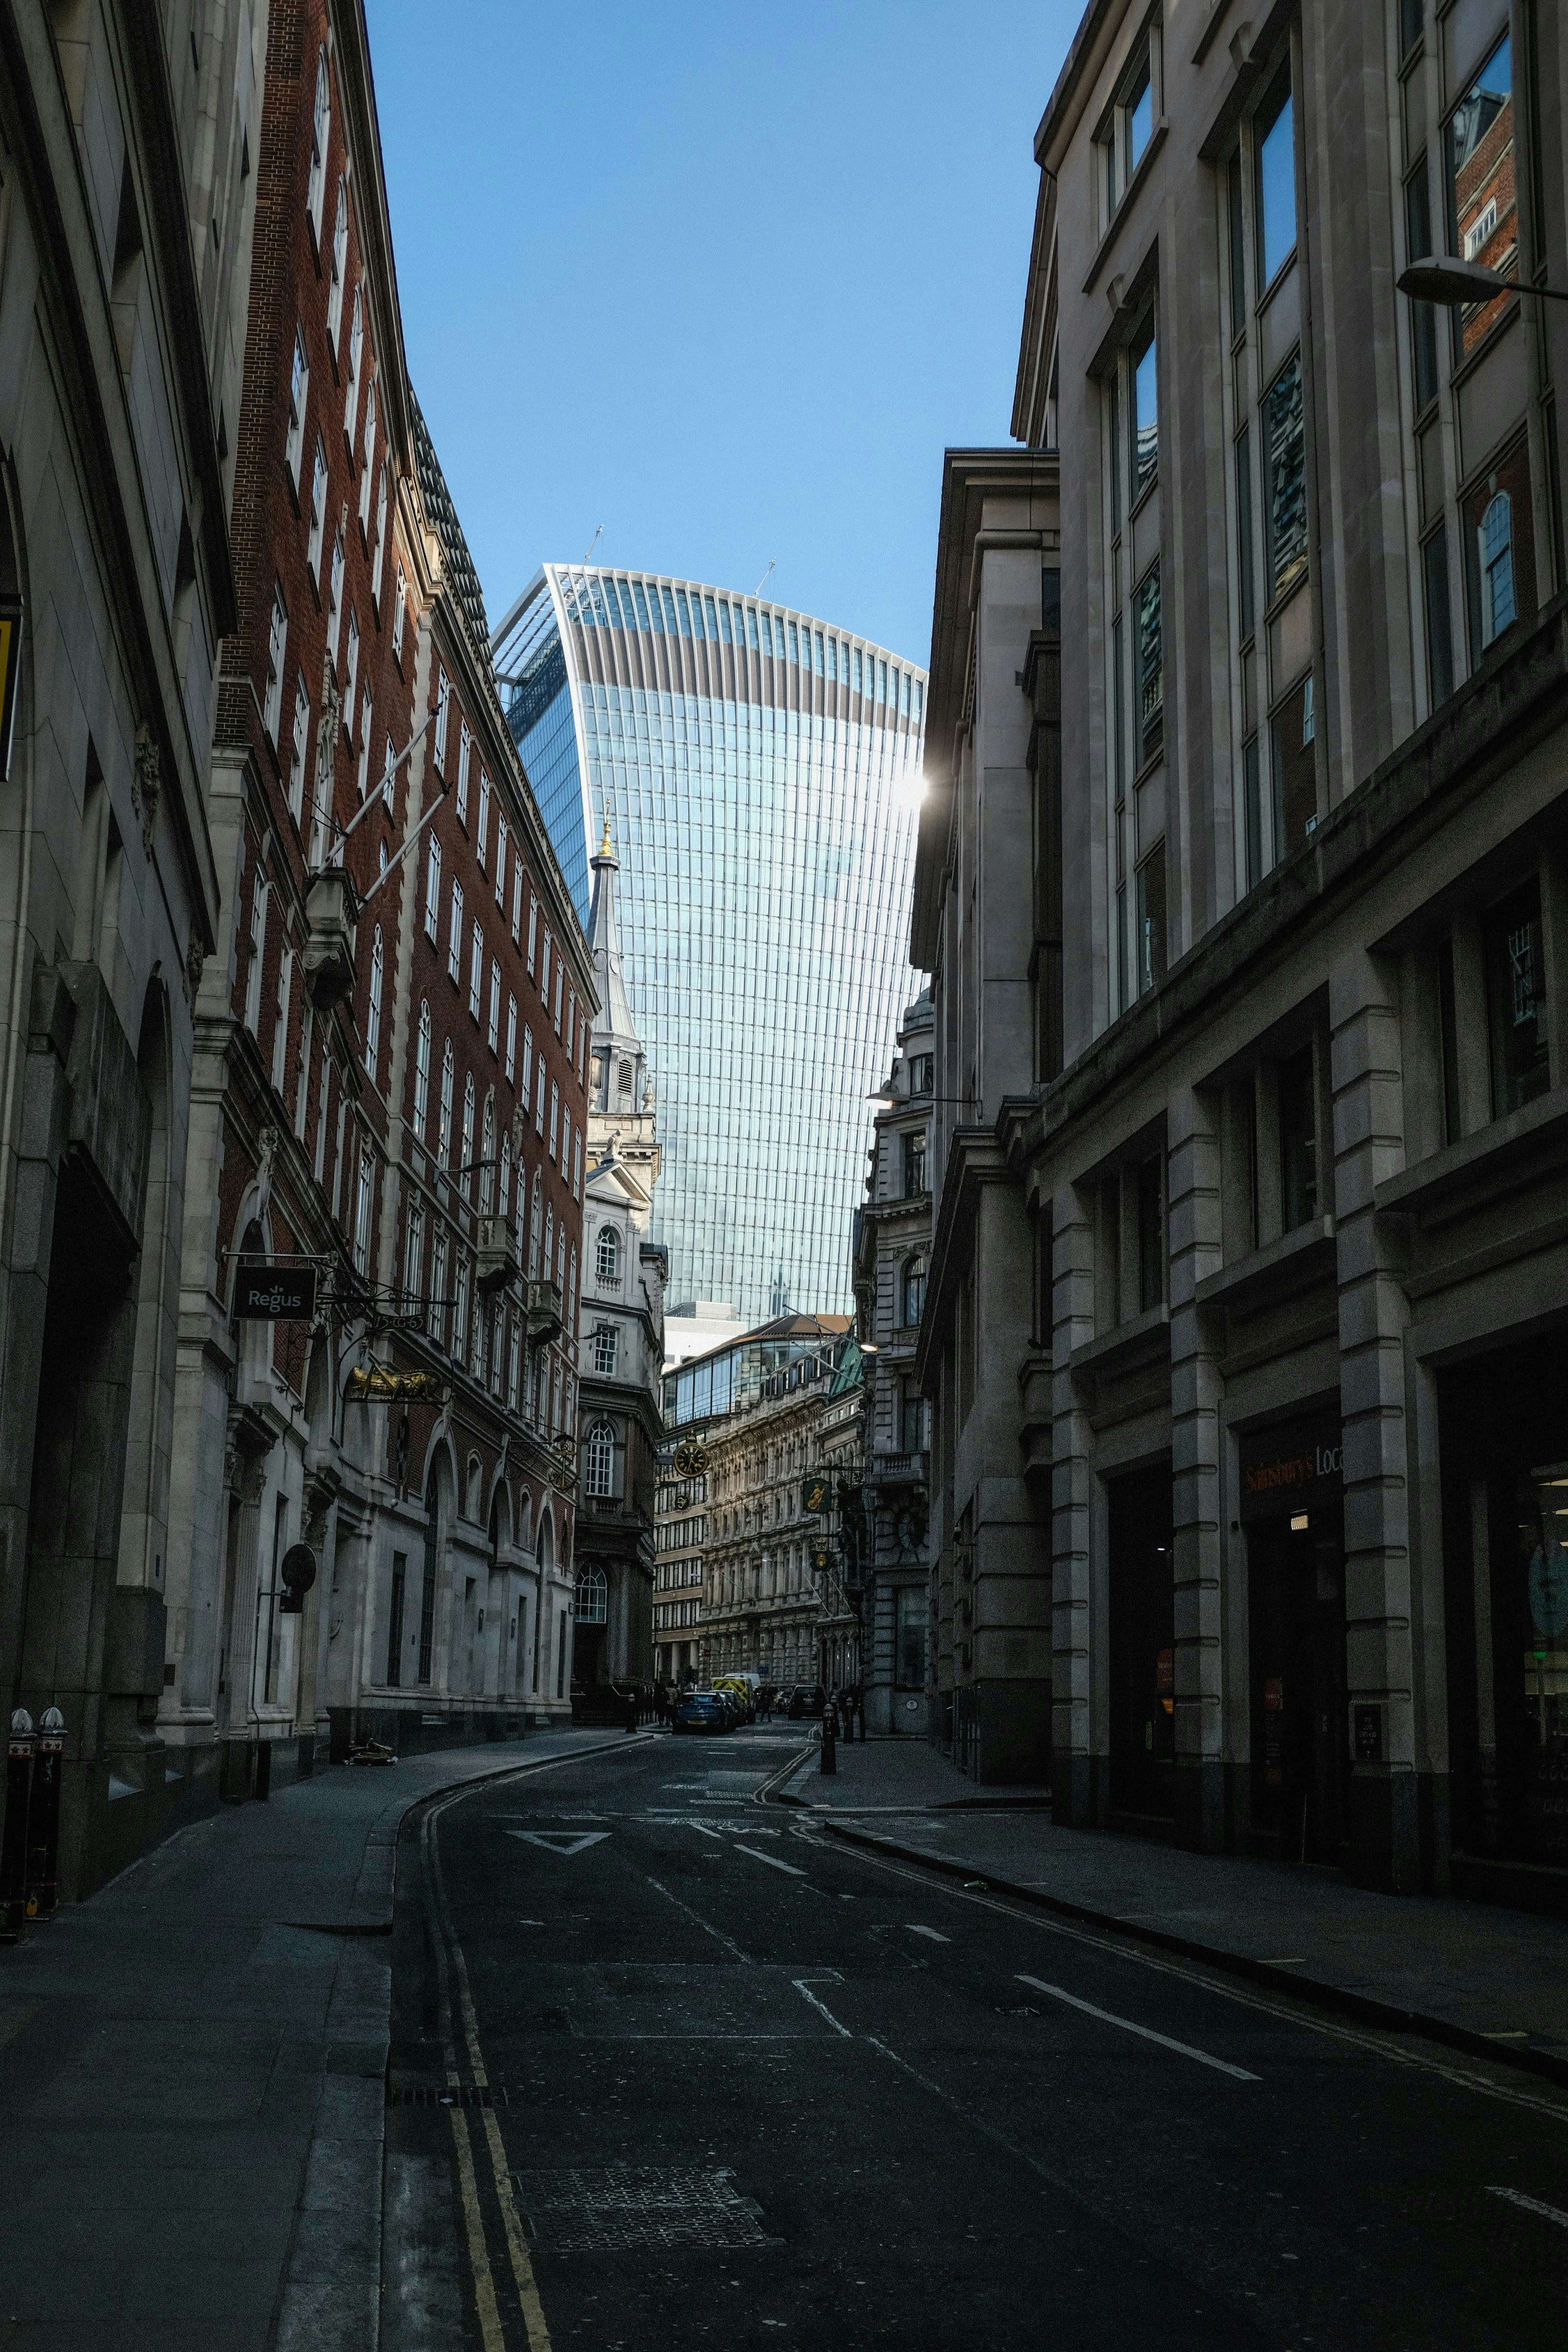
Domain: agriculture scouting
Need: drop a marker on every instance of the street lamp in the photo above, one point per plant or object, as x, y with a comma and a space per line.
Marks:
1450, 283
884, 1099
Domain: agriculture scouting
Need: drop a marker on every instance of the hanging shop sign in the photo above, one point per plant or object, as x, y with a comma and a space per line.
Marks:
816, 1498
1294, 1467
374, 1384
10, 666
298, 1570
276, 1294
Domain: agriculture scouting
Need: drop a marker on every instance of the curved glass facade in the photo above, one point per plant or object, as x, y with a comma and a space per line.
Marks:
760, 775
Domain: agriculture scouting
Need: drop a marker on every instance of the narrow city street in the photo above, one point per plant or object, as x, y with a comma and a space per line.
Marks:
670, 2066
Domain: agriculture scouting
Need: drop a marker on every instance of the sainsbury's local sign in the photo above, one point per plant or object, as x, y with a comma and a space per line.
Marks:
1295, 1466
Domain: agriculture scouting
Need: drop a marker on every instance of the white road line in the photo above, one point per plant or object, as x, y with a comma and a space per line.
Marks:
706, 1831
1532, 2205
1147, 2033
934, 1933
807, 1994
758, 1856
696, 1917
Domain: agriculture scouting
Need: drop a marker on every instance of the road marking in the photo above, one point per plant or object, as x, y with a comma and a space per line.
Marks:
758, 1856
933, 1933
561, 1841
706, 1831
1147, 2033
807, 1994
474, 2230
706, 1924
1532, 2205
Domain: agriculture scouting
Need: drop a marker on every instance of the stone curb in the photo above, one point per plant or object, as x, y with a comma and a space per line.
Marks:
329, 2295
1317, 1992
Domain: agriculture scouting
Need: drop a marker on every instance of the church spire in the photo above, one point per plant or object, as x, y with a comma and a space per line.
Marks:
613, 1024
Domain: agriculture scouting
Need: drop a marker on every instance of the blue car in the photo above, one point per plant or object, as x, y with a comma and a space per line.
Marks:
702, 1711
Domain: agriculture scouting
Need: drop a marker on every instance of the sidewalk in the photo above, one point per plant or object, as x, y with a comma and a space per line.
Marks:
1476, 1976
192, 2076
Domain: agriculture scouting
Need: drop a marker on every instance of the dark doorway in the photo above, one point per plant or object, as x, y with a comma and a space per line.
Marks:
1300, 1718
1143, 1645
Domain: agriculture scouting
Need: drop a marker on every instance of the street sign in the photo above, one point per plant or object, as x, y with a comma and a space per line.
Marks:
374, 1385
276, 1294
816, 1498
298, 1570
10, 663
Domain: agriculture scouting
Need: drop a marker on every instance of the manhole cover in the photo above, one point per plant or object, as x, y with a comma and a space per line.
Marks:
593, 2208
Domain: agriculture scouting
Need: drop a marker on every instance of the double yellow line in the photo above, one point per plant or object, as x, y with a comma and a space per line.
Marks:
457, 2019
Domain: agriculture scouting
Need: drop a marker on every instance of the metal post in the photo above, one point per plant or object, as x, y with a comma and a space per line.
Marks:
19, 1755
44, 1815
829, 1740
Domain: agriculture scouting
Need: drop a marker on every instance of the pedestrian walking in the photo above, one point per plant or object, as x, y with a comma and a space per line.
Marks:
631, 1710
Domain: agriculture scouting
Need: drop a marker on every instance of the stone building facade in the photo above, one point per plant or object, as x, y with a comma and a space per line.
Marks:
623, 1329
127, 198
1287, 1192
906, 1646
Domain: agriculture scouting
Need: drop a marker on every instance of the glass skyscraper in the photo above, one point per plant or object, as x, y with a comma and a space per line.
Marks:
759, 774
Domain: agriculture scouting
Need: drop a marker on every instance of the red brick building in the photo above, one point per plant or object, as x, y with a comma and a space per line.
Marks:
360, 1064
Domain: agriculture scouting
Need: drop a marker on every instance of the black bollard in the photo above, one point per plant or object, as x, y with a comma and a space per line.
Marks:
20, 1753
829, 1741
44, 1814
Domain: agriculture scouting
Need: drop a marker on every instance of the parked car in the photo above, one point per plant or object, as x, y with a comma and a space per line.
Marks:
806, 1698
703, 1711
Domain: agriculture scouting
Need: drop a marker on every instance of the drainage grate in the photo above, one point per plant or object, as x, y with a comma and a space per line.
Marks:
462, 2094
598, 2207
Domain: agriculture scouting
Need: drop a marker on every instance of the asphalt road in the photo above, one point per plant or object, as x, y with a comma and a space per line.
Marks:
718, 2079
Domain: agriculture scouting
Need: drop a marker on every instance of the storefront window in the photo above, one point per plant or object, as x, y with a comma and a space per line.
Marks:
1516, 1002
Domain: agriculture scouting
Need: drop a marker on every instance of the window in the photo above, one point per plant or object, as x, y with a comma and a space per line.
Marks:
922, 1072
1252, 810
1286, 460
607, 1258
482, 829
516, 899
465, 1162
1150, 911
356, 347
319, 128
1516, 1001
527, 1063
505, 1176
512, 1041
298, 393
911, 1417
539, 1100
492, 1031
1236, 226
436, 1321
909, 1652
414, 1256
605, 1335
577, 1165
1495, 536
533, 925
433, 889
367, 461
1479, 176
443, 698
1150, 658
460, 1305
600, 1461
1274, 146
351, 676
914, 1164
397, 612
593, 1589
465, 745
335, 598
277, 643
314, 544
1125, 141
443, 1130
476, 968
554, 1118
363, 1194
1145, 411
559, 975
372, 1015
455, 936
300, 741
258, 956
1499, 551
1423, 317
380, 497
280, 1018
340, 257
1439, 617
394, 1619
914, 1301
1298, 1141
422, 1070
1293, 771
1244, 579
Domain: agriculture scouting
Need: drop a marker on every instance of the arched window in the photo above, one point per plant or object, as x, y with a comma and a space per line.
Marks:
372, 1015
607, 1258
443, 1132
592, 1597
549, 1238
534, 1224
467, 1161
505, 1176
1499, 609
914, 1287
422, 1070
319, 127
600, 1459
487, 1160
572, 1298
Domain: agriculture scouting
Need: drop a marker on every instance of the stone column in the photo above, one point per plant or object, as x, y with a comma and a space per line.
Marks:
1368, 1145
248, 1476
1196, 1216
1076, 1792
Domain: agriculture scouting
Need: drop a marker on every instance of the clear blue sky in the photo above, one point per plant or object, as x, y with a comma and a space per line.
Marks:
726, 279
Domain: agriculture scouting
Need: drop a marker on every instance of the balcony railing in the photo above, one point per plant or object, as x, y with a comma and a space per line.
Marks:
898, 1469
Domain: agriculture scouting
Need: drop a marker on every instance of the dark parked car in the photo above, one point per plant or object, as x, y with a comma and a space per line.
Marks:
703, 1711
806, 1698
